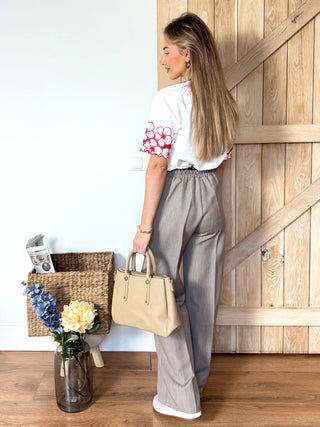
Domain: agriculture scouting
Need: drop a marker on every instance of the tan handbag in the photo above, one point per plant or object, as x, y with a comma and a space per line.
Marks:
144, 300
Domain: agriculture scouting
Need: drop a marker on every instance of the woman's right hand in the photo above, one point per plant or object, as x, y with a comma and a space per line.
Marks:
141, 242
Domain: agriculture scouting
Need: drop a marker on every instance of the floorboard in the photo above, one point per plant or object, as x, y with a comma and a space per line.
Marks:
242, 391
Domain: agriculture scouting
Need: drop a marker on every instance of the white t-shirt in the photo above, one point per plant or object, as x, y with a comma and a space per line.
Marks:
168, 130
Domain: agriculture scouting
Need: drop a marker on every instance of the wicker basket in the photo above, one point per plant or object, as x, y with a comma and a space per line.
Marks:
84, 276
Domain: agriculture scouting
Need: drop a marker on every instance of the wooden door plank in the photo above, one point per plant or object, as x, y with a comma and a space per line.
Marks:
225, 339
263, 49
273, 163
272, 339
314, 333
298, 177
225, 31
295, 339
248, 339
226, 40
248, 171
272, 272
248, 285
270, 134
166, 11
271, 316
204, 9
297, 234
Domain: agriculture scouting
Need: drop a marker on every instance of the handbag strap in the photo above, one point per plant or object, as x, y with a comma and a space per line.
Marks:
132, 255
153, 261
133, 262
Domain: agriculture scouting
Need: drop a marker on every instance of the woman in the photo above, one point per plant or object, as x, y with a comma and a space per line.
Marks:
189, 136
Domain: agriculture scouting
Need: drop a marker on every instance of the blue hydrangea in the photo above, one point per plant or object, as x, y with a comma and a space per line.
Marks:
45, 306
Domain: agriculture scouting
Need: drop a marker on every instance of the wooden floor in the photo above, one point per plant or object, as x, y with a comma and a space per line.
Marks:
242, 390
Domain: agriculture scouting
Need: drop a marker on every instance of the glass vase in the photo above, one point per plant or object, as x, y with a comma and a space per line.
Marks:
73, 376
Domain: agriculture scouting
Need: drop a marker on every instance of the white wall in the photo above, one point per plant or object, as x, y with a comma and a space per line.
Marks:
76, 81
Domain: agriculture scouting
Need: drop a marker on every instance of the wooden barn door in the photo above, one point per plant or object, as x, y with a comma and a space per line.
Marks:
270, 51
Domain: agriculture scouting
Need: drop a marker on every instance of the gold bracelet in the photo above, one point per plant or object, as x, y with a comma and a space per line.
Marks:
145, 232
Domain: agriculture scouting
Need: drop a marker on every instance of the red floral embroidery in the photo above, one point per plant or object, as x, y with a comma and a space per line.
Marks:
229, 154
158, 140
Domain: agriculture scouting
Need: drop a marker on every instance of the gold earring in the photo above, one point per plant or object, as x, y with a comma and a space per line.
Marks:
188, 65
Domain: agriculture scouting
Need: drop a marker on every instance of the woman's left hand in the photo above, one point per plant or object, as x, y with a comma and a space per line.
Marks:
141, 242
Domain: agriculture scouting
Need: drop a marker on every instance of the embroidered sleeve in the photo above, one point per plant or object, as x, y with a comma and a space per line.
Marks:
159, 136
158, 140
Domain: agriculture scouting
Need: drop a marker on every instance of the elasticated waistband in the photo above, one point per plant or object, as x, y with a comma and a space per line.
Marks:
191, 172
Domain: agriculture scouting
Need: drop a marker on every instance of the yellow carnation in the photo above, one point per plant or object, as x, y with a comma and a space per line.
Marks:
78, 316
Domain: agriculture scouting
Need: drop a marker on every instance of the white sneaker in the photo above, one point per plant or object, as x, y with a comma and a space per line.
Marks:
163, 409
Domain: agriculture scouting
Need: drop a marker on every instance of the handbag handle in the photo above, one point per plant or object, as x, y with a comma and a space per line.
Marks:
153, 261
149, 257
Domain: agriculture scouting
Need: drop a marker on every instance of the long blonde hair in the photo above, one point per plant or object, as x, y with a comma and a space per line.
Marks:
215, 114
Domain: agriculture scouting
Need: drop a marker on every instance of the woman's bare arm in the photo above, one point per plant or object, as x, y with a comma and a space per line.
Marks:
155, 178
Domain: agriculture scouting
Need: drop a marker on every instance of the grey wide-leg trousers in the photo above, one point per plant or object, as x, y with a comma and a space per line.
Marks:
189, 225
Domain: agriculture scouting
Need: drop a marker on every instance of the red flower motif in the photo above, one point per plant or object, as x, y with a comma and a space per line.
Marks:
149, 130
229, 153
158, 141
163, 135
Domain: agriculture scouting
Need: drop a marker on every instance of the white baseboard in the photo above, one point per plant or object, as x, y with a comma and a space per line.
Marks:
14, 337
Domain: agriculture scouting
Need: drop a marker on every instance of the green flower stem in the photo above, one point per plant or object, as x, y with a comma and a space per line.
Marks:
67, 387
71, 349
85, 377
